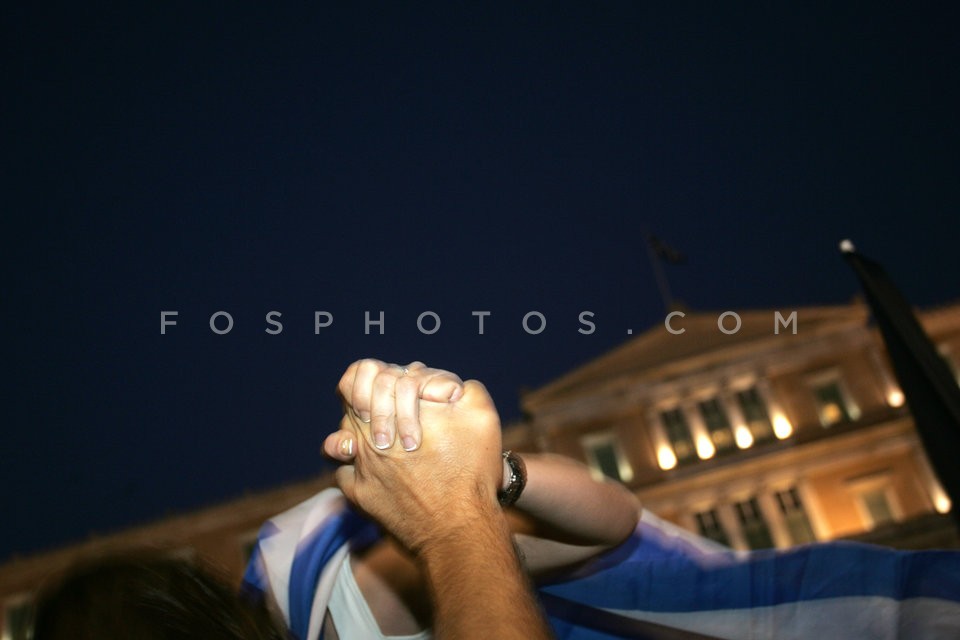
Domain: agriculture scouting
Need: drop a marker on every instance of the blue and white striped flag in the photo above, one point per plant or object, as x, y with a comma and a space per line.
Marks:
663, 583
668, 583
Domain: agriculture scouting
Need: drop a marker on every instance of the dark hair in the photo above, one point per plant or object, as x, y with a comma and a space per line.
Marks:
147, 596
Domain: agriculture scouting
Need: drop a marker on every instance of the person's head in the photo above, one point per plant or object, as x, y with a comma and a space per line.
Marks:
147, 596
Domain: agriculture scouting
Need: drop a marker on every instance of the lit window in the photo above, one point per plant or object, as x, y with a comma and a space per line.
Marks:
18, 619
606, 458
678, 433
833, 403
795, 516
878, 507
708, 525
754, 526
715, 419
755, 413
875, 499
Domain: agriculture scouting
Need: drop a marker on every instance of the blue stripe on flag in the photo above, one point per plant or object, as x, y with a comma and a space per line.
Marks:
667, 580
312, 555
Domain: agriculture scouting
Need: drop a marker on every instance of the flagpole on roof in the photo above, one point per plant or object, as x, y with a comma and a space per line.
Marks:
658, 273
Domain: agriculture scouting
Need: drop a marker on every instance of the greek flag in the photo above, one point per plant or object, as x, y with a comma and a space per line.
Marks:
663, 583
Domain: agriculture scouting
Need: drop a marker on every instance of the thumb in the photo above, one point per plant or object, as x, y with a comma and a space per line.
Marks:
340, 446
346, 477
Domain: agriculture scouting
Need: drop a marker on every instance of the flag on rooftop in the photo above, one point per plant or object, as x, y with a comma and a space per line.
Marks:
665, 252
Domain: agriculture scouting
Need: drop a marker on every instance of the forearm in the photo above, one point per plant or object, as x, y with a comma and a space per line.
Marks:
476, 582
567, 504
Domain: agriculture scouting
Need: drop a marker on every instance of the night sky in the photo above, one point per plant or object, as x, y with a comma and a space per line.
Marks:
461, 157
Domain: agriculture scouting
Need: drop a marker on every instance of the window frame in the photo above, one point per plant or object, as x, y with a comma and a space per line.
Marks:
754, 390
714, 514
667, 432
753, 501
861, 487
721, 410
591, 442
17, 602
849, 406
797, 512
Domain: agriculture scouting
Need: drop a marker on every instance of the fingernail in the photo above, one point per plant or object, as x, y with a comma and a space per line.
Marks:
457, 394
346, 446
364, 416
381, 440
409, 444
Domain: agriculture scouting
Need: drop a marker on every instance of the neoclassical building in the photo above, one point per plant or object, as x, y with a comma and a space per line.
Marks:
754, 428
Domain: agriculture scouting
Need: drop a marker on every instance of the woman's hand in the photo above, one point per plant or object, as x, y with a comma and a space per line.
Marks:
387, 398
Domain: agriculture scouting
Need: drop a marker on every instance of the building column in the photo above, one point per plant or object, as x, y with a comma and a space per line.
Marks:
811, 505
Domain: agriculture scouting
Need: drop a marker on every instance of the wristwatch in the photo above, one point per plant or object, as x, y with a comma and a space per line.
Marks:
518, 479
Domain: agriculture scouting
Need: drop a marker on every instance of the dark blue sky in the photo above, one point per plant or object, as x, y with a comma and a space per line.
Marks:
448, 158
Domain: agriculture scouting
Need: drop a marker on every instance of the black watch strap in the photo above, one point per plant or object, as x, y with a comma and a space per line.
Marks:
518, 479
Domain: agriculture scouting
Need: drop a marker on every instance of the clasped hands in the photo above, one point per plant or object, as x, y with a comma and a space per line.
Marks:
420, 447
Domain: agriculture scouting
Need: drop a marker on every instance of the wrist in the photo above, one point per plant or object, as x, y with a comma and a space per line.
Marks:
469, 522
454, 515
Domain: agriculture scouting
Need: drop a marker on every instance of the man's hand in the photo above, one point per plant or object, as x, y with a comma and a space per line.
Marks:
387, 398
437, 489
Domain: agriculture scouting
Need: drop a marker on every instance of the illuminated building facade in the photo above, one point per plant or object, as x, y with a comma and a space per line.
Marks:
756, 428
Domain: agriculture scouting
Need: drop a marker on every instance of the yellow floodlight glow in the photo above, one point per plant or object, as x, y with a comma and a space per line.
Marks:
705, 448
666, 458
781, 426
943, 504
743, 437
895, 398
941, 501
